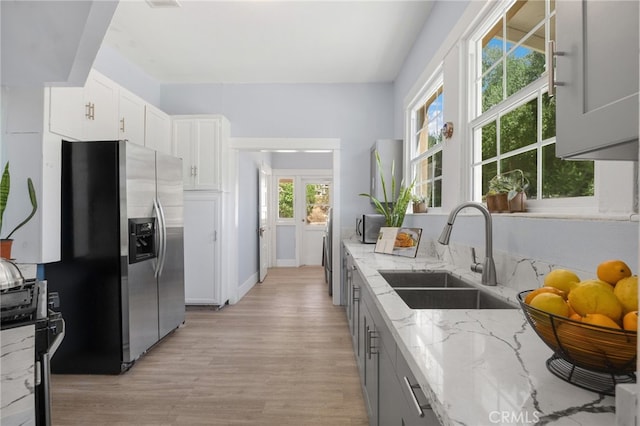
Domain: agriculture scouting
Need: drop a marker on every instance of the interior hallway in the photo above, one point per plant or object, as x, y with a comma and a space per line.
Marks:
281, 356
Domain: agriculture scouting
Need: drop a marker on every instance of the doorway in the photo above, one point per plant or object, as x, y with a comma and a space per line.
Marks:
314, 197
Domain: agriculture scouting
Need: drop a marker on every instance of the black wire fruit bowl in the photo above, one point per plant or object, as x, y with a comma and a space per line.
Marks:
590, 356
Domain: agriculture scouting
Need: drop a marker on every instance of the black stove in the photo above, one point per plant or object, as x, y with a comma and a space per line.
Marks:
29, 304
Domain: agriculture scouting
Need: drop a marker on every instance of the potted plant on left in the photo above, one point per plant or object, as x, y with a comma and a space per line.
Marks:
393, 210
5, 185
420, 203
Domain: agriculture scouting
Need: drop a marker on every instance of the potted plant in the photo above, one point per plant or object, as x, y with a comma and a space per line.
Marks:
496, 198
517, 191
393, 210
420, 203
5, 184
507, 192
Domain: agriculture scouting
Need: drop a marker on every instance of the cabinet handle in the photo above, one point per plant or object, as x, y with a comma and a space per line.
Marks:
195, 170
551, 70
353, 295
89, 111
370, 348
419, 408
93, 111
122, 124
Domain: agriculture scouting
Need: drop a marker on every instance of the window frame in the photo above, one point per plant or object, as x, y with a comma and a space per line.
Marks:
534, 90
434, 84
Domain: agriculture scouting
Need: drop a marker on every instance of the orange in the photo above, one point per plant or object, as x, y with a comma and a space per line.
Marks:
630, 321
575, 317
552, 303
626, 291
562, 279
613, 271
601, 320
539, 290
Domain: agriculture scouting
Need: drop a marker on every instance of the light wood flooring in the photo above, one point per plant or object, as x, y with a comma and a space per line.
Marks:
281, 356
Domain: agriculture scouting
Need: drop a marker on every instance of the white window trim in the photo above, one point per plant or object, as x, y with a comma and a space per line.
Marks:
434, 82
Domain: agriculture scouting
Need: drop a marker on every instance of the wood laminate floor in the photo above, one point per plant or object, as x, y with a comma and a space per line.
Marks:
281, 356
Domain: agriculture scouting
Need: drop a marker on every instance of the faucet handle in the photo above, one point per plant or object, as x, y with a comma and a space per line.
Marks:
475, 265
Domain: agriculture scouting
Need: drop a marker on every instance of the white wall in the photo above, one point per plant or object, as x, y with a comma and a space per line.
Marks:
355, 113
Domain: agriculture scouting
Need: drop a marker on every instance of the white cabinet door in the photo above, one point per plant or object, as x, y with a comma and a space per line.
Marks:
101, 94
201, 263
200, 141
67, 111
157, 130
207, 155
131, 117
183, 137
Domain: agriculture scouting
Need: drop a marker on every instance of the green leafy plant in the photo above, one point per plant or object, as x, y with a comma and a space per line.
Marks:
393, 210
5, 184
510, 182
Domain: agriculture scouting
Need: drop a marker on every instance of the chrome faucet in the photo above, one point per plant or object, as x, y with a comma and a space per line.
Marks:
488, 268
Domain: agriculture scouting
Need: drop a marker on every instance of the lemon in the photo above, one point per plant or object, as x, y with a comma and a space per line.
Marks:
626, 291
591, 297
562, 279
551, 303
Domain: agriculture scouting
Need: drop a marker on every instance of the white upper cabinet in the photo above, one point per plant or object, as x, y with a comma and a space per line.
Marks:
201, 142
597, 80
89, 113
157, 130
131, 113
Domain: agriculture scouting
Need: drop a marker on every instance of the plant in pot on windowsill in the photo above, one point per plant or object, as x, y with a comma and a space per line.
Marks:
5, 184
393, 210
420, 203
507, 192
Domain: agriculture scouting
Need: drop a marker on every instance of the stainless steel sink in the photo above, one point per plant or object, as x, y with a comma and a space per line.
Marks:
440, 279
451, 298
441, 290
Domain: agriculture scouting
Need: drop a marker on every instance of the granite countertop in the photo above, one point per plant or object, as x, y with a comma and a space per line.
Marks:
478, 367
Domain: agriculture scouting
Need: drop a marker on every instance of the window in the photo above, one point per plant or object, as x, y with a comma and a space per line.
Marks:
513, 116
285, 198
426, 145
317, 203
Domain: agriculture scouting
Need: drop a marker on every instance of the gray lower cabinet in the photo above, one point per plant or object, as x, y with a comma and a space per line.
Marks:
392, 396
597, 79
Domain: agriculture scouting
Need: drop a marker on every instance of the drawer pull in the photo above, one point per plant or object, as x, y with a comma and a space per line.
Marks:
419, 408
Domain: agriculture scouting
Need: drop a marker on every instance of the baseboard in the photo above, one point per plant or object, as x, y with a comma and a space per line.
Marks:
246, 286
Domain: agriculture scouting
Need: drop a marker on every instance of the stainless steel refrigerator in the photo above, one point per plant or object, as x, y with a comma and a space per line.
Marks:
121, 274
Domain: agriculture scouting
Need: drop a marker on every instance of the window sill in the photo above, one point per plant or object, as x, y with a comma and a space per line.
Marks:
633, 217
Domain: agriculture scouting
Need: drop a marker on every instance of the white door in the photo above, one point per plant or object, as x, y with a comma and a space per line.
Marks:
263, 227
316, 196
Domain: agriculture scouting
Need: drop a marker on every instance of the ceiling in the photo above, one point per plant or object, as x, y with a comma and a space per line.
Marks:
265, 41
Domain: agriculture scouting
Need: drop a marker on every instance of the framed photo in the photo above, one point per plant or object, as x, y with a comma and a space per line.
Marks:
398, 241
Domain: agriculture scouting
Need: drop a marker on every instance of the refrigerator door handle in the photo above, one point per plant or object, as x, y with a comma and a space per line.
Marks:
159, 239
163, 256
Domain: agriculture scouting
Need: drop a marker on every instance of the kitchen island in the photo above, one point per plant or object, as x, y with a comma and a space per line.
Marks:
476, 367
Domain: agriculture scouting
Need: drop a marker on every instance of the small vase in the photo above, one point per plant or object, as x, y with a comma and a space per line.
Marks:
516, 204
419, 207
5, 248
497, 203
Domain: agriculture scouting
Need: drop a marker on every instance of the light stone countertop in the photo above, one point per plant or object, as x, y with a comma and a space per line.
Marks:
478, 367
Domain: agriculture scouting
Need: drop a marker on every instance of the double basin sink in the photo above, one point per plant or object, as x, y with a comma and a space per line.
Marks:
441, 290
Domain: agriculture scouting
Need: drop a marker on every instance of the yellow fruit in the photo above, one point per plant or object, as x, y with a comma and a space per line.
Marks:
603, 284
539, 290
626, 291
562, 279
601, 320
552, 303
591, 297
575, 317
613, 271
630, 321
